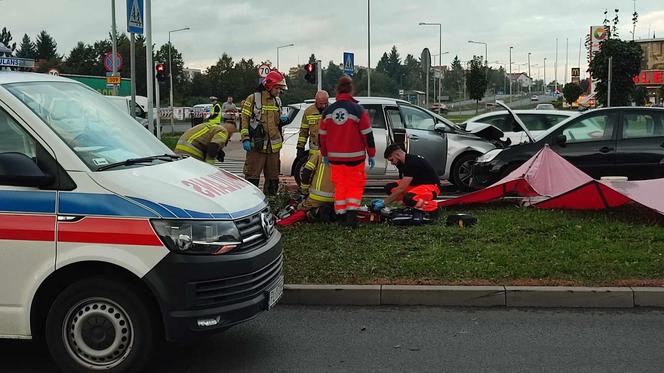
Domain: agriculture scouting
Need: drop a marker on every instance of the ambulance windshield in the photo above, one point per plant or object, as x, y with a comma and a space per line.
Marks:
98, 132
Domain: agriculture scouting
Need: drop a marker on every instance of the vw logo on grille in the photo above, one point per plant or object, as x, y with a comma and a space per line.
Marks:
267, 223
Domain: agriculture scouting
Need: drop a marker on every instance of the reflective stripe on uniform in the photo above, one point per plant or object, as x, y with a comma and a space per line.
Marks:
309, 165
353, 201
201, 132
322, 131
270, 108
366, 131
244, 132
346, 155
246, 111
340, 202
315, 195
301, 139
189, 150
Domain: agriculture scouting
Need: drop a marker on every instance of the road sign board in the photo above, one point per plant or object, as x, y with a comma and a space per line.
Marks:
426, 59
135, 16
263, 70
576, 71
113, 80
349, 63
108, 61
54, 72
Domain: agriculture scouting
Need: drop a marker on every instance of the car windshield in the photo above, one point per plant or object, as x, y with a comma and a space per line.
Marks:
96, 130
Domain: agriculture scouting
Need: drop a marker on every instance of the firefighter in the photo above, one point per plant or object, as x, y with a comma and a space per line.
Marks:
419, 187
310, 124
205, 141
317, 186
261, 122
345, 141
215, 111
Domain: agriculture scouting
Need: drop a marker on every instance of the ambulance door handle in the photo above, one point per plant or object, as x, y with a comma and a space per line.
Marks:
605, 149
69, 218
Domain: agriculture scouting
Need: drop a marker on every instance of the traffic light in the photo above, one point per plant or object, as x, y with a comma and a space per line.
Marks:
160, 73
310, 73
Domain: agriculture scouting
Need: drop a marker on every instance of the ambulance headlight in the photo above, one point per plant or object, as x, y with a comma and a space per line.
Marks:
198, 237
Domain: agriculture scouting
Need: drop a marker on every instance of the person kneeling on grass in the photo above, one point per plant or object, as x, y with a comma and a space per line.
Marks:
418, 188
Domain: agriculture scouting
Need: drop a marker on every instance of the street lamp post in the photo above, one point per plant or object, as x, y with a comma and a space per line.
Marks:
511, 74
440, 49
170, 75
544, 82
279, 47
529, 76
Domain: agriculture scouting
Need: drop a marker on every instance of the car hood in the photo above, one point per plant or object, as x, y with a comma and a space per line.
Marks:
186, 188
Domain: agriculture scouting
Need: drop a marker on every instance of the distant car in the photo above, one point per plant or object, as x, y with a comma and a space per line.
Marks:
536, 121
124, 104
450, 149
545, 107
439, 108
534, 98
199, 113
621, 141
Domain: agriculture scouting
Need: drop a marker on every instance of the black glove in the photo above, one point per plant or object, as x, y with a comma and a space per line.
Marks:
221, 155
301, 152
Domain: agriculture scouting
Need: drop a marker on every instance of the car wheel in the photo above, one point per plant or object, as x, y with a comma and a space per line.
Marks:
101, 324
461, 171
298, 167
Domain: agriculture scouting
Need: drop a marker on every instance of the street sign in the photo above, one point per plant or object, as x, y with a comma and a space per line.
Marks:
263, 70
54, 72
113, 80
108, 61
349, 63
426, 59
135, 16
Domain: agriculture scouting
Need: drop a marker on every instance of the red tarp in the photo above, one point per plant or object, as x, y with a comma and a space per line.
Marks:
545, 174
597, 195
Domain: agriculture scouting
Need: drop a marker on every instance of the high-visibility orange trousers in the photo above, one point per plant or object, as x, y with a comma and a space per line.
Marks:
420, 197
349, 184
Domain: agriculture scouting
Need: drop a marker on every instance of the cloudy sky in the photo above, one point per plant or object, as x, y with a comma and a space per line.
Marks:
254, 28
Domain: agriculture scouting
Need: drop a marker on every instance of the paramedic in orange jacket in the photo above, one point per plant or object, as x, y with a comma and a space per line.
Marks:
345, 141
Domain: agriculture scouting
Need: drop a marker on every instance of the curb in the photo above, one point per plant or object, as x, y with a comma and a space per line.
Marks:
474, 296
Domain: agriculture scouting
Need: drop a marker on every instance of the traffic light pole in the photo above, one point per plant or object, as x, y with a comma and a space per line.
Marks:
319, 76
148, 61
156, 93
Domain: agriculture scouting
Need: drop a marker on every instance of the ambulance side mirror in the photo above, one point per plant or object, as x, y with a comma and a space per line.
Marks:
17, 169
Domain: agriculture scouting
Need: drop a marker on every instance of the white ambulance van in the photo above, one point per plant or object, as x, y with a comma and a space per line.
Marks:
111, 243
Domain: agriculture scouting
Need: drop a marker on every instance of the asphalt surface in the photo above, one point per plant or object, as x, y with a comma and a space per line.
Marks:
408, 339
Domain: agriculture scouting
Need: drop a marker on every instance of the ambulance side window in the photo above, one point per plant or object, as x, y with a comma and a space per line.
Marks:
13, 139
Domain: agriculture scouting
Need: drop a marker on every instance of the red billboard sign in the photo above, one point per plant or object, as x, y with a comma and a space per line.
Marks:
649, 77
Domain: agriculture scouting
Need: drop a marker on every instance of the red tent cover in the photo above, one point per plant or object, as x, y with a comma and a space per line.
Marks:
601, 194
545, 174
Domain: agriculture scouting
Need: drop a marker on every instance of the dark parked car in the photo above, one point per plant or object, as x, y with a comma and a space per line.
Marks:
622, 141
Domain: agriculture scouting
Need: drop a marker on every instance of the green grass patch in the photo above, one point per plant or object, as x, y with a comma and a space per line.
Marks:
509, 245
459, 118
170, 140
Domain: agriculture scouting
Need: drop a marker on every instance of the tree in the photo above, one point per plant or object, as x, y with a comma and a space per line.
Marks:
394, 67
47, 48
453, 80
81, 60
177, 63
383, 63
331, 77
585, 85
6, 39
640, 96
27, 48
626, 63
476, 80
571, 92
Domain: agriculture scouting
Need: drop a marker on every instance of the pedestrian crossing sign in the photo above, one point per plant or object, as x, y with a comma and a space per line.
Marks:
135, 16
349, 63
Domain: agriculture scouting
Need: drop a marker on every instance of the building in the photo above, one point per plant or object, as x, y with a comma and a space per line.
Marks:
521, 79
652, 69
190, 73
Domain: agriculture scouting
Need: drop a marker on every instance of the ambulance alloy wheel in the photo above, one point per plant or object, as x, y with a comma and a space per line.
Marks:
100, 324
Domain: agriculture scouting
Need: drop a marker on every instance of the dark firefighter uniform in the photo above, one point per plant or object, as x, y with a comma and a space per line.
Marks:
316, 183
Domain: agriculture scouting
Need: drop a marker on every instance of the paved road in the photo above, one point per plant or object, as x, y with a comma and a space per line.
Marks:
334, 339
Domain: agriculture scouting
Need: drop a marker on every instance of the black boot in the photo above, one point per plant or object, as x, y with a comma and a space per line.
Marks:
254, 181
351, 219
341, 219
271, 187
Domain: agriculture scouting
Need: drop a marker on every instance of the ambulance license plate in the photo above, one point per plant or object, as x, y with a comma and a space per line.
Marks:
275, 293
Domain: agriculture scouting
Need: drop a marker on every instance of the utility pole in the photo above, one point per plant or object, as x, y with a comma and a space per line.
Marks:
511, 74
369, 48
608, 101
115, 47
555, 68
529, 76
544, 82
566, 59
148, 63
319, 75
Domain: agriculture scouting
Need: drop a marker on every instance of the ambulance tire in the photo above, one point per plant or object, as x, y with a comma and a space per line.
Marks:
101, 323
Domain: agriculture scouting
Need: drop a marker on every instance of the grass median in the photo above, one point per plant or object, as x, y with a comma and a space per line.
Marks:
510, 245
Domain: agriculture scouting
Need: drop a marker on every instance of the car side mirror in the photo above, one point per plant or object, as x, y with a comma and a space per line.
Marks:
440, 127
17, 169
561, 140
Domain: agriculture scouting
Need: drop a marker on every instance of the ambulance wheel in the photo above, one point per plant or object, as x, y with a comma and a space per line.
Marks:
101, 324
